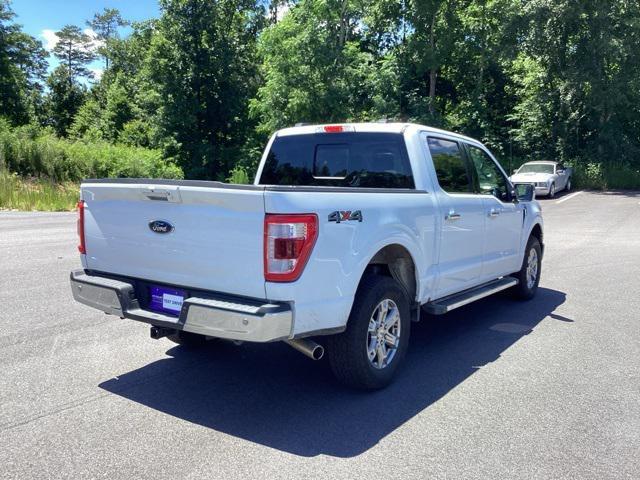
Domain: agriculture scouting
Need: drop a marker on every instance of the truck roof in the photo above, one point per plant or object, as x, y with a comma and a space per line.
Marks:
392, 127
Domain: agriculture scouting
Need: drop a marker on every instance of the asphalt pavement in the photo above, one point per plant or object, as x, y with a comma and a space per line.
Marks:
499, 389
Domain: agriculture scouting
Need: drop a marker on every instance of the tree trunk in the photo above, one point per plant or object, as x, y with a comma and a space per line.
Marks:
433, 72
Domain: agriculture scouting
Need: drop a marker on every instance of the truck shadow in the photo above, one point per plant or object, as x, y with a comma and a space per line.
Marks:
272, 395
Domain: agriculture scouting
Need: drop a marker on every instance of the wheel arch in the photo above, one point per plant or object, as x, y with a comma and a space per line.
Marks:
536, 231
395, 260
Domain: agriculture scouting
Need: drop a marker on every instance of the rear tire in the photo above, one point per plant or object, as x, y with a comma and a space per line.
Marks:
529, 275
358, 357
568, 187
188, 339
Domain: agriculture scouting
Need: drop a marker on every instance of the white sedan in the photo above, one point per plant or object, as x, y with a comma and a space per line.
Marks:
547, 177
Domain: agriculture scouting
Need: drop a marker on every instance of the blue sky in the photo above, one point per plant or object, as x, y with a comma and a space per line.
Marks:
42, 17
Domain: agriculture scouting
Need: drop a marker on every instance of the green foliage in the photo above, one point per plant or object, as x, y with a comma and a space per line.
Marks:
32, 152
201, 60
239, 175
64, 100
74, 51
106, 26
616, 176
317, 68
17, 193
206, 83
22, 67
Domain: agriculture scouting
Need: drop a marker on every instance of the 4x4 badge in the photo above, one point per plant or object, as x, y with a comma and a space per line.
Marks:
345, 215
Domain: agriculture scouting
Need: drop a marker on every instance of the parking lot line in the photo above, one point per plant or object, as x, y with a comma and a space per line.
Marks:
569, 197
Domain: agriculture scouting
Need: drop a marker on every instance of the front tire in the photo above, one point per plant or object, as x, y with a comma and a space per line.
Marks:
368, 353
529, 275
552, 190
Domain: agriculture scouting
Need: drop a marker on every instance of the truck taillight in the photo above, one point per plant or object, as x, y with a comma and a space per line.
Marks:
288, 241
81, 245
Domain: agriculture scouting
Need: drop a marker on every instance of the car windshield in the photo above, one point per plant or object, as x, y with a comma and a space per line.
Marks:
536, 168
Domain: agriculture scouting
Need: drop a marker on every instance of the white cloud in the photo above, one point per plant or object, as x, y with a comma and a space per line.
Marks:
282, 10
95, 42
50, 38
97, 73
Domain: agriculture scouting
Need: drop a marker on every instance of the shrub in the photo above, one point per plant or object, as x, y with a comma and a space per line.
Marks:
238, 175
609, 176
38, 153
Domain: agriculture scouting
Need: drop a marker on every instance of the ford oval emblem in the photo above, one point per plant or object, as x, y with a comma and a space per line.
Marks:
160, 226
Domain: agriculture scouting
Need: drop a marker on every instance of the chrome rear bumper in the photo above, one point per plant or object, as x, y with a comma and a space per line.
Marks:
219, 316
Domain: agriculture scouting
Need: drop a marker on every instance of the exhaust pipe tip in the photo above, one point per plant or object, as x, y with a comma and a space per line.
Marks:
307, 347
317, 352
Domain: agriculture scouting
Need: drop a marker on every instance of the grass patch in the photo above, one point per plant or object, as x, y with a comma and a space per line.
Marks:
36, 152
17, 193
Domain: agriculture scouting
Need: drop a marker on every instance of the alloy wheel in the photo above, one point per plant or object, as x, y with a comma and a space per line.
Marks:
383, 336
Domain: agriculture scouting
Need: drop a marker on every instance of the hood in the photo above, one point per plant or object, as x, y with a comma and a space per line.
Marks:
531, 177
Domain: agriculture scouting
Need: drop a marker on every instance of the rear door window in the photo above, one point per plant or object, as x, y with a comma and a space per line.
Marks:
348, 159
450, 164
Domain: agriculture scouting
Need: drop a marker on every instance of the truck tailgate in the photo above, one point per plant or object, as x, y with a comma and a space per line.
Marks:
214, 239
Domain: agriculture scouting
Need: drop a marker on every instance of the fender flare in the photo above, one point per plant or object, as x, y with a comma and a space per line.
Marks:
401, 241
537, 223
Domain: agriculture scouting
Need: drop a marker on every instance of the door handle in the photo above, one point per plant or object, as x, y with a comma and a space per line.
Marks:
452, 215
494, 212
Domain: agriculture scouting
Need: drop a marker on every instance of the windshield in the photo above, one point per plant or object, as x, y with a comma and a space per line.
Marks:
536, 168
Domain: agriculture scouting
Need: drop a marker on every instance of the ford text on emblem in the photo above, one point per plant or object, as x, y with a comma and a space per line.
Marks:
160, 226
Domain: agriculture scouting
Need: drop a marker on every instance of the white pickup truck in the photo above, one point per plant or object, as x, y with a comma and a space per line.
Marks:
348, 232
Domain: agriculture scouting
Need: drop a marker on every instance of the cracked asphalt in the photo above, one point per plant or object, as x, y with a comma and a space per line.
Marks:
498, 389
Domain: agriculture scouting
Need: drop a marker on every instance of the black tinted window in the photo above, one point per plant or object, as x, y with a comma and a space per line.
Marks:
450, 165
489, 180
358, 160
331, 161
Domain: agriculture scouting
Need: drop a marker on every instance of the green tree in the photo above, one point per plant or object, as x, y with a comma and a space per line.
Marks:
106, 25
64, 99
202, 64
75, 50
432, 41
588, 54
317, 67
22, 68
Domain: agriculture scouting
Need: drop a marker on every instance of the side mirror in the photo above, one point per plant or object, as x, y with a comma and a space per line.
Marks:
559, 172
515, 170
525, 192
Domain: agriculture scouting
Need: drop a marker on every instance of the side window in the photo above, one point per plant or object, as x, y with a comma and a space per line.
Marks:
451, 168
489, 180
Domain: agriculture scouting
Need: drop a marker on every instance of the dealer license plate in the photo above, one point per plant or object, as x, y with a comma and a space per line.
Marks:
167, 300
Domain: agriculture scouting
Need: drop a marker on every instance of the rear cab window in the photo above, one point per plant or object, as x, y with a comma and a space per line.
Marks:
347, 159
